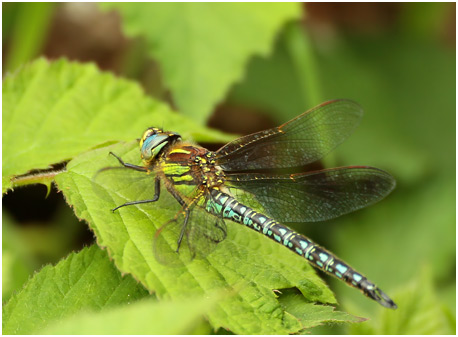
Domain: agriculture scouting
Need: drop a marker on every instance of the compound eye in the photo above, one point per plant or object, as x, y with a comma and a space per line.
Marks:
152, 144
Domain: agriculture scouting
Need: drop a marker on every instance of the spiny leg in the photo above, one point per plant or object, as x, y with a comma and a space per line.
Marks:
157, 192
131, 166
183, 229
186, 210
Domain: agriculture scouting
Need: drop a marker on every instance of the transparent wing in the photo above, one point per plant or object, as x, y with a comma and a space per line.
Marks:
302, 140
202, 232
318, 195
117, 185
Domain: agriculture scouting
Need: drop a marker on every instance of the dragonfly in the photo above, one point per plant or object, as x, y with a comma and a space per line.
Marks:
209, 185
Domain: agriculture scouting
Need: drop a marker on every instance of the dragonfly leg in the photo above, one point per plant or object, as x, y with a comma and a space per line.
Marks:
187, 212
157, 192
183, 229
131, 166
176, 196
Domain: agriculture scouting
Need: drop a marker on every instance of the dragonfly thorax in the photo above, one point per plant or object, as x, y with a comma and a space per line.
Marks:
154, 142
189, 165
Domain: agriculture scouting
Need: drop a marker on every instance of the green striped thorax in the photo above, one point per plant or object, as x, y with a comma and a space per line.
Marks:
154, 142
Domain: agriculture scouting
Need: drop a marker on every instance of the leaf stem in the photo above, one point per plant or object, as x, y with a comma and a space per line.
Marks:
44, 178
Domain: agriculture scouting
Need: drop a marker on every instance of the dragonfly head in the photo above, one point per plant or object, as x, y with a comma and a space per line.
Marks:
153, 141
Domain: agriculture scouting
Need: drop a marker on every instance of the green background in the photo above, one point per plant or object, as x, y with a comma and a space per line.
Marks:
238, 68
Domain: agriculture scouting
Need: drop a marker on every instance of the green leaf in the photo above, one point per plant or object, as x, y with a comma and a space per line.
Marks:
420, 312
83, 281
145, 317
203, 48
54, 111
246, 263
310, 314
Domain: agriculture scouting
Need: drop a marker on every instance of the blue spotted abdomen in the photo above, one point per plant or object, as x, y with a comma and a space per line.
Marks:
222, 204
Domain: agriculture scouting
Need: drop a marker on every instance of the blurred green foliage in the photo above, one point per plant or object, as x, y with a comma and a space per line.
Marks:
403, 74
198, 65
27, 26
147, 317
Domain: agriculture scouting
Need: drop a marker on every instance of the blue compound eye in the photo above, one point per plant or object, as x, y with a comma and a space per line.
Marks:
152, 145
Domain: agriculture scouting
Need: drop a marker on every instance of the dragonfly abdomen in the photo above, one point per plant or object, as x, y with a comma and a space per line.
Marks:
222, 204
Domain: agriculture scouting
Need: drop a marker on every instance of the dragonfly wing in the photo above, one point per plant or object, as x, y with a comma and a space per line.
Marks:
202, 232
165, 243
302, 140
205, 233
117, 184
318, 195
